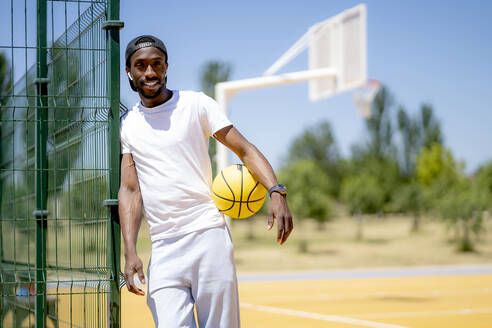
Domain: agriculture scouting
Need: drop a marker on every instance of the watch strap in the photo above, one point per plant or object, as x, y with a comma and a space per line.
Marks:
281, 189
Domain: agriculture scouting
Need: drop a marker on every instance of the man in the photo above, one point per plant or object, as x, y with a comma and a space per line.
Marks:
166, 168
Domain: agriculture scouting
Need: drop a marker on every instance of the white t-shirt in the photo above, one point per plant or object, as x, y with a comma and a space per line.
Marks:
169, 144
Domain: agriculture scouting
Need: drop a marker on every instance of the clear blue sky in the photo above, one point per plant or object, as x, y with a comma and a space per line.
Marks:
437, 52
424, 51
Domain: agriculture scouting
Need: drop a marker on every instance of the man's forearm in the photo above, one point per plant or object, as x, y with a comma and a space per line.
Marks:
249, 155
258, 166
130, 211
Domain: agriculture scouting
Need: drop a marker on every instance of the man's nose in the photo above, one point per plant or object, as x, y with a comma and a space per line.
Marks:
149, 72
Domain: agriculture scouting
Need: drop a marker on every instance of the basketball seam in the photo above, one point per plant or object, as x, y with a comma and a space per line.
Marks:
247, 201
239, 201
232, 192
227, 209
241, 198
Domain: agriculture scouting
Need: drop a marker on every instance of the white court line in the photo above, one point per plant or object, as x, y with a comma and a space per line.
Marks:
424, 313
317, 316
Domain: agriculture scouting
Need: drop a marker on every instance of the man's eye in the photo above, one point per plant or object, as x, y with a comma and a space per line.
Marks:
138, 65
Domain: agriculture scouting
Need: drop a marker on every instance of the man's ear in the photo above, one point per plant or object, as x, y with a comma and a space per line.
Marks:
130, 79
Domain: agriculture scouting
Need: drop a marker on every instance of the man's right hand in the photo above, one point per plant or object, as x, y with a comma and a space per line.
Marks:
133, 264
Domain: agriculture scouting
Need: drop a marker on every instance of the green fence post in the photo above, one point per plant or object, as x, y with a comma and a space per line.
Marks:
113, 25
41, 163
2, 292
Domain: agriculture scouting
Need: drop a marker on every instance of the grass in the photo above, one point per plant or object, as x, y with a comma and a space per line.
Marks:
387, 242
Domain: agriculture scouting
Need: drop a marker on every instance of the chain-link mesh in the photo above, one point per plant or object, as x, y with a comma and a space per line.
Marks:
58, 251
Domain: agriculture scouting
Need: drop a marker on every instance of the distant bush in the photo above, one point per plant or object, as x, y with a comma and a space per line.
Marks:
308, 190
362, 194
462, 207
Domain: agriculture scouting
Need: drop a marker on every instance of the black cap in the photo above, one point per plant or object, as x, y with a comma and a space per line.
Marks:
143, 41
140, 42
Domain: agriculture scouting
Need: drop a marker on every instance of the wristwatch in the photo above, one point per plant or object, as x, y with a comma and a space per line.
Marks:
280, 188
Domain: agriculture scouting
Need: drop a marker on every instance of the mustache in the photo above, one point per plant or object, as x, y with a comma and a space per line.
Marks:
149, 80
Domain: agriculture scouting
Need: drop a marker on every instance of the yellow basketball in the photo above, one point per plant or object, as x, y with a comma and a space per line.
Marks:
236, 193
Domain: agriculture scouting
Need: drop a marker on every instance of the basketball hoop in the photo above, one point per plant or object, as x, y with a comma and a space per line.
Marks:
364, 97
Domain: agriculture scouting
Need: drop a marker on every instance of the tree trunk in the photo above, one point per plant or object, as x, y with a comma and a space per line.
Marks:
303, 245
466, 245
303, 242
251, 230
416, 222
457, 233
360, 226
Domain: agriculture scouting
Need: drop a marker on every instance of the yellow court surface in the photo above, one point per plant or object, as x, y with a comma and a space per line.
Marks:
382, 302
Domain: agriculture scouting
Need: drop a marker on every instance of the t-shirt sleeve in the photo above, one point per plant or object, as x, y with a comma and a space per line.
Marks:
125, 148
212, 117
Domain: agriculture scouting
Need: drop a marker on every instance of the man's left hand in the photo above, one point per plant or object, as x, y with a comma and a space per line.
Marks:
279, 210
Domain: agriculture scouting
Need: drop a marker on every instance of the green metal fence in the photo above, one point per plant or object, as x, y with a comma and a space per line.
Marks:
59, 163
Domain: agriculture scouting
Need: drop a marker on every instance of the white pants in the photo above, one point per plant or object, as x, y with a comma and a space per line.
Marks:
197, 268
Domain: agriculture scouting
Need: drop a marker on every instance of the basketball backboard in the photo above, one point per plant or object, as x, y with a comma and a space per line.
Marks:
338, 43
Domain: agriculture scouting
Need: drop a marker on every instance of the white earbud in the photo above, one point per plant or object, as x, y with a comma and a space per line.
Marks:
129, 76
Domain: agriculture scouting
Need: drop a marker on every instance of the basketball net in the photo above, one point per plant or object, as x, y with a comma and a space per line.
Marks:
364, 97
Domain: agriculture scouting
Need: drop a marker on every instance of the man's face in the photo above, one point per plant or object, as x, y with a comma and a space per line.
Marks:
148, 69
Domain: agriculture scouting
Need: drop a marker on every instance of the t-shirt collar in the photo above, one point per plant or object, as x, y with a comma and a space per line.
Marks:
170, 104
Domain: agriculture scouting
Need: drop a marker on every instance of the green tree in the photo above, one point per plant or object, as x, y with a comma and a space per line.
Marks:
17, 193
462, 207
436, 164
379, 126
431, 127
377, 156
5, 86
410, 199
318, 143
437, 172
362, 194
417, 132
309, 187
460, 201
423, 130
411, 134
483, 177
212, 73
87, 193
5, 78
384, 170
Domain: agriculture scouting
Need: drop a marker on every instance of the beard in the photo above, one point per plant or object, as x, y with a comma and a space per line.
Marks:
153, 94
